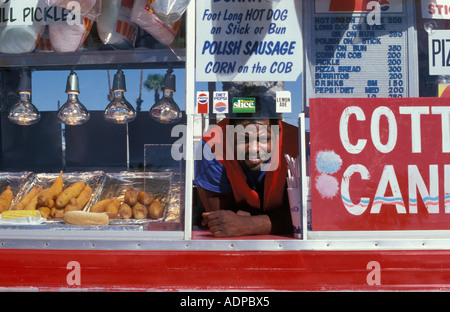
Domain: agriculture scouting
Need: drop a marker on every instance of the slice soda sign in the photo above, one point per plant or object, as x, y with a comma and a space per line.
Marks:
244, 105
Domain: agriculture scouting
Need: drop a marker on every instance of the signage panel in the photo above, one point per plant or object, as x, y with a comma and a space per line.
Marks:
435, 9
359, 54
29, 12
248, 40
283, 102
202, 102
244, 105
439, 52
328, 6
380, 164
220, 102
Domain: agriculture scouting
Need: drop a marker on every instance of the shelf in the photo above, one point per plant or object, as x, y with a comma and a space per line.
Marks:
99, 59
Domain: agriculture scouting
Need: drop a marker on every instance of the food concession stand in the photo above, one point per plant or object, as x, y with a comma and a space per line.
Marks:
365, 84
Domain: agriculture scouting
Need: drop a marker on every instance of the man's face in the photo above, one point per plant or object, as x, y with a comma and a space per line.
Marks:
254, 144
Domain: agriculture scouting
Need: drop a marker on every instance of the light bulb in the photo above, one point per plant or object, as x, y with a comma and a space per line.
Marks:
166, 110
119, 111
24, 113
430, 27
73, 112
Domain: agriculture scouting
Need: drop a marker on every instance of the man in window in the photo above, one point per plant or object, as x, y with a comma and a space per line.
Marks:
241, 176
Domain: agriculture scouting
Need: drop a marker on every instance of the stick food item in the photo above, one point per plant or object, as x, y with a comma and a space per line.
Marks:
112, 209
139, 211
130, 197
48, 195
100, 206
5, 199
56, 213
32, 204
84, 196
45, 212
72, 191
155, 210
137, 205
26, 199
145, 199
125, 211
72, 205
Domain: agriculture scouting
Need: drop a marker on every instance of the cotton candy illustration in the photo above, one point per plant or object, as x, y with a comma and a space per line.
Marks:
328, 163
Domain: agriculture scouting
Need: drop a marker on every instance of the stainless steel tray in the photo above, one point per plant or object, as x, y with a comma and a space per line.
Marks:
157, 184
94, 179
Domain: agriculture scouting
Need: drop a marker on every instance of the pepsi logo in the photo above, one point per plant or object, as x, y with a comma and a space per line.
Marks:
202, 98
384, 5
220, 107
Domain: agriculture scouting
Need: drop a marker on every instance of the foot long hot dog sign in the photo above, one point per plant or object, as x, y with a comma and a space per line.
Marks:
380, 164
253, 40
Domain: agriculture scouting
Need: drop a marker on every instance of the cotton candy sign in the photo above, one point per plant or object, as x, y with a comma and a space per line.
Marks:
380, 164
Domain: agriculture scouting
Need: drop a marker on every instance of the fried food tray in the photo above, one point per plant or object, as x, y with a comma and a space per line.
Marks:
94, 179
16, 181
104, 185
156, 184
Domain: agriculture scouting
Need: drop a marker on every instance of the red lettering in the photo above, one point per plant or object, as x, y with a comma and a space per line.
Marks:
431, 9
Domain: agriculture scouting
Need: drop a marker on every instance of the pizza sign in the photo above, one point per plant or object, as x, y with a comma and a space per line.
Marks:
380, 164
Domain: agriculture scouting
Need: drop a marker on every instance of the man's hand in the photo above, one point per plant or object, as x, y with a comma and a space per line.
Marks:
226, 223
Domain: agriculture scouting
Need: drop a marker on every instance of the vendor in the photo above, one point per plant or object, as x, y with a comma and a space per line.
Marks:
245, 194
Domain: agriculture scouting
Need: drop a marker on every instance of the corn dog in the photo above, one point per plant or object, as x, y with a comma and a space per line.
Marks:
125, 211
26, 199
155, 211
130, 197
84, 196
5, 199
100, 206
139, 211
72, 191
49, 194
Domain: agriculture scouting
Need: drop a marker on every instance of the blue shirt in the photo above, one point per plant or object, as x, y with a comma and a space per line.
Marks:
210, 174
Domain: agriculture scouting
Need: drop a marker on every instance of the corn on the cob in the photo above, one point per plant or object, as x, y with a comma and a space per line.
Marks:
12, 214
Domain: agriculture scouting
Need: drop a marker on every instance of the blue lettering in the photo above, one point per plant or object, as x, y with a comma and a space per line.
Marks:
269, 47
281, 67
220, 67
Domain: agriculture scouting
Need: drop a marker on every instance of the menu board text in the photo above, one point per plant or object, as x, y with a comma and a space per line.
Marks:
352, 58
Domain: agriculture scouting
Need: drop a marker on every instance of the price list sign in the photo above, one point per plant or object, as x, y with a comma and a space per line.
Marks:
361, 53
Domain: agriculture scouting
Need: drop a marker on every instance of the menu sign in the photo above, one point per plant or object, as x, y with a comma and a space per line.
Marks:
362, 53
248, 40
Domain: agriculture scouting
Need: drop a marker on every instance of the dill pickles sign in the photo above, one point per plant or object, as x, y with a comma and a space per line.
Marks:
255, 40
380, 164
29, 12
